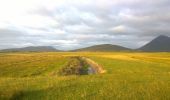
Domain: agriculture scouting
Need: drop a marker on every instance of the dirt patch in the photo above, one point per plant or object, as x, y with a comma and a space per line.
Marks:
81, 66
94, 67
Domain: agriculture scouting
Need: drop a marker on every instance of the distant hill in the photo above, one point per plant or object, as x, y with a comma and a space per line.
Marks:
159, 44
104, 47
31, 49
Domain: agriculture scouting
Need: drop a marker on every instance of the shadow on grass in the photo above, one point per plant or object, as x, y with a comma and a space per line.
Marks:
43, 94
17, 95
52, 93
31, 95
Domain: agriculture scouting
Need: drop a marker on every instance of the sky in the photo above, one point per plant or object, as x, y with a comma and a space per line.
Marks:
71, 24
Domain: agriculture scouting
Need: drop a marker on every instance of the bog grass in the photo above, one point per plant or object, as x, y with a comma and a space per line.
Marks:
130, 76
75, 66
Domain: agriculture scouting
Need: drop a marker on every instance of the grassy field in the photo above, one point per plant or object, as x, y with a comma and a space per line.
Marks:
129, 76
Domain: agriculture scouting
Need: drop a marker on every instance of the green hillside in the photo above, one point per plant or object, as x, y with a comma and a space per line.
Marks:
104, 47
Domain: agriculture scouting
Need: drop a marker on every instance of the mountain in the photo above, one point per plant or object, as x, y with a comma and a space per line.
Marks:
31, 49
104, 47
159, 44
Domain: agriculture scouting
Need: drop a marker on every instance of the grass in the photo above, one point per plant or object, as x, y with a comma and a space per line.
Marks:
130, 76
75, 66
26, 65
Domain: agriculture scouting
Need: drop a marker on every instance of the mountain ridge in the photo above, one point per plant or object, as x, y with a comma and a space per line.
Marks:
159, 44
31, 49
103, 47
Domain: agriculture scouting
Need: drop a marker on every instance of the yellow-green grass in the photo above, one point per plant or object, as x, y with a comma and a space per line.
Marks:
129, 76
33, 64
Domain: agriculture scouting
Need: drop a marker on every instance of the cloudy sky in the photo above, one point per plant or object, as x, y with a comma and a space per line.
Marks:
69, 24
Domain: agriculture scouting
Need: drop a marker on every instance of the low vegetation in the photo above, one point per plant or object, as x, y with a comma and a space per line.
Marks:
75, 66
129, 76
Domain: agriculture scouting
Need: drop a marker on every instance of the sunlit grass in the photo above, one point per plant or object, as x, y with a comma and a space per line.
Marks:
146, 77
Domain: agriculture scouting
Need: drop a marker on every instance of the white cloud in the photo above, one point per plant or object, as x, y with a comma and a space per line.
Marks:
119, 29
78, 23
